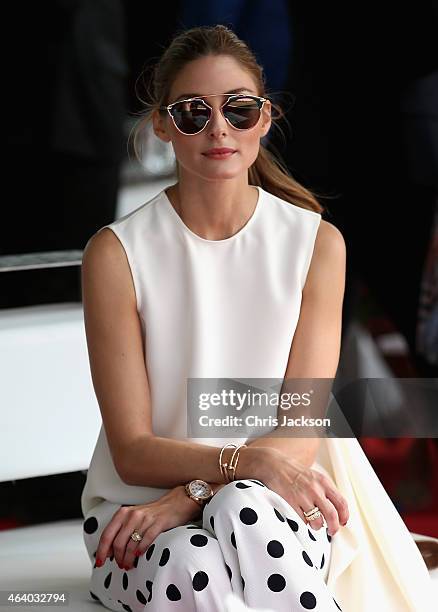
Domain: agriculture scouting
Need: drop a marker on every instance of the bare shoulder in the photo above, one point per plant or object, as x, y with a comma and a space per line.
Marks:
328, 260
329, 239
104, 260
104, 243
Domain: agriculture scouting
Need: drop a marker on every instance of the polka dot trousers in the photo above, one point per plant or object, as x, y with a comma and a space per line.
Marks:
249, 541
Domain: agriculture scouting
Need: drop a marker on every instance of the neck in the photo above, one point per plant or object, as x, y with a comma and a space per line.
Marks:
215, 212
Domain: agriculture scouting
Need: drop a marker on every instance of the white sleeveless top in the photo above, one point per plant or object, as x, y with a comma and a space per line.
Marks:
208, 308
229, 309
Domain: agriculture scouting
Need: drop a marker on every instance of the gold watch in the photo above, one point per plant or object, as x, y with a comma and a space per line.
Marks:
199, 490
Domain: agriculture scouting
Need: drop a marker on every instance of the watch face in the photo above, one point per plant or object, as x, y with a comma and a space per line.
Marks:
200, 489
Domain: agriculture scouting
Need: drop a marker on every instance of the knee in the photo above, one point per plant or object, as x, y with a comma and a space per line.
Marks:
236, 492
188, 548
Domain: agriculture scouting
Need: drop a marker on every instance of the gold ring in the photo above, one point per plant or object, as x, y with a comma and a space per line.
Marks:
311, 511
314, 516
136, 536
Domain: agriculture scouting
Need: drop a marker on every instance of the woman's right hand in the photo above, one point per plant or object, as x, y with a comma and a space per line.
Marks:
302, 487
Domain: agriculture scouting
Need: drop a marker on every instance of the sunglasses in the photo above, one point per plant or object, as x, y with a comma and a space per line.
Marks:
190, 116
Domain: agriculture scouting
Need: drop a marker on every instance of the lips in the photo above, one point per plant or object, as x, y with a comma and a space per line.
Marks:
219, 151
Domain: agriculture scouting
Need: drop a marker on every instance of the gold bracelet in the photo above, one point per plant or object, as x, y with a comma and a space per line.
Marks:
223, 466
232, 466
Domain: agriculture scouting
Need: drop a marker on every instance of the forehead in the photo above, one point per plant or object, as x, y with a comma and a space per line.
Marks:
212, 74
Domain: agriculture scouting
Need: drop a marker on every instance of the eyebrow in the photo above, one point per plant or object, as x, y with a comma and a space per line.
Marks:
232, 91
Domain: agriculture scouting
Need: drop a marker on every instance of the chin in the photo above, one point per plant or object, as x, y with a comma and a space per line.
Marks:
218, 172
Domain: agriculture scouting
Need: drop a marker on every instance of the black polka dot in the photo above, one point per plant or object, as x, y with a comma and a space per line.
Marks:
229, 571
337, 605
149, 551
311, 536
329, 537
107, 581
112, 558
243, 582
248, 516
164, 557
193, 527
126, 607
94, 554
276, 582
308, 600
292, 524
279, 516
307, 559
91, 525
173, 593
275, 548
94, 596
140, 596
200, 581
149, 588
259, 482
125, 581
212, 522
233, 540
242, 485
135, 562
199, 540
322, 561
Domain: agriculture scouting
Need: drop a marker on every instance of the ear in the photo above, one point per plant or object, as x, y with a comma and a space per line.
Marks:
160, 125
266, 119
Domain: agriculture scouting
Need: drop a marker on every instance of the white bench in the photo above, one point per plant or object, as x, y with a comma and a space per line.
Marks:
50, 421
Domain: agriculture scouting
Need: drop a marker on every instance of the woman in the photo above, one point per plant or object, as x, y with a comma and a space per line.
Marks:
214, 278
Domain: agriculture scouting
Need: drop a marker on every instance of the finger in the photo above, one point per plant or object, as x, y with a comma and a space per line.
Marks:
111, 553
132, 547
330, 514
301, 504
340, 503
110, 556
316, 523
105, 546
141, 523
337, 499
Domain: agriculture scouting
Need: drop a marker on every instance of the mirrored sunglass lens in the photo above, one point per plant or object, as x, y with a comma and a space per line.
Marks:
243, 112
190, 117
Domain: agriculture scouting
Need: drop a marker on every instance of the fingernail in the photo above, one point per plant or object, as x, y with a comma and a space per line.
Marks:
137, 553
99, 562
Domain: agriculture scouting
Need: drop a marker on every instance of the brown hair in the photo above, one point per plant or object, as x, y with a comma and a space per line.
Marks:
268, 171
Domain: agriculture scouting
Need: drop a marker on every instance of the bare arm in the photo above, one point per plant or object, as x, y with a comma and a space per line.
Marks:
316, 344
121, 384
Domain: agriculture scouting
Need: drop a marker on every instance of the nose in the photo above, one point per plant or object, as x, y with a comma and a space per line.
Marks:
217, 124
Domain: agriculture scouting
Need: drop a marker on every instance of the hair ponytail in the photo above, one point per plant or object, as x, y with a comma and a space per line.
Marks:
270, 174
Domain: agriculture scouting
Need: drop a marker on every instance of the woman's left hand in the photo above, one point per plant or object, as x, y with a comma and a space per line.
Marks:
174, 508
